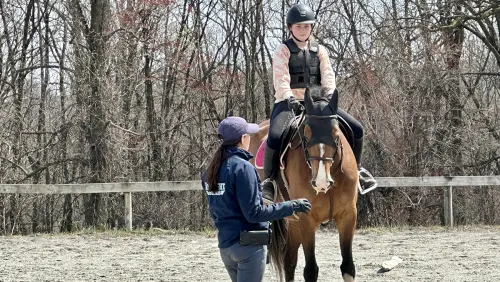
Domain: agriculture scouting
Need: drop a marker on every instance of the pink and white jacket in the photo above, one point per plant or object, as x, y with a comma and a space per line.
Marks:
281, 74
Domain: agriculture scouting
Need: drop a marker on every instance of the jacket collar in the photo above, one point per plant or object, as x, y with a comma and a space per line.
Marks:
237, 151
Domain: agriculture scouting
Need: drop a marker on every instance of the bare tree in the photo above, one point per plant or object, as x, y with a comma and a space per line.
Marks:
111, 91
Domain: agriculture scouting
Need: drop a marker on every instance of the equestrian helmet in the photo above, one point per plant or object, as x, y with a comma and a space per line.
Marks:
300, 13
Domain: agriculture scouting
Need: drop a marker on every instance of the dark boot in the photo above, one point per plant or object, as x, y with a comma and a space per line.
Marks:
271, 162
366, 180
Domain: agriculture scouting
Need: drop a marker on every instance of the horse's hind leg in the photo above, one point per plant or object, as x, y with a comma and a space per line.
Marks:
346, 225
308, 244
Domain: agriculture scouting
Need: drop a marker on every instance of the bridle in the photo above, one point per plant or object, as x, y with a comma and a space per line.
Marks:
306, 144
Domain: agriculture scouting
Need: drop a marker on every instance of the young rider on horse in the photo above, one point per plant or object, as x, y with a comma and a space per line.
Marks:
297, 63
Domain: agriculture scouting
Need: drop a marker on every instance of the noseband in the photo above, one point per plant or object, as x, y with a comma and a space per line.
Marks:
306, 144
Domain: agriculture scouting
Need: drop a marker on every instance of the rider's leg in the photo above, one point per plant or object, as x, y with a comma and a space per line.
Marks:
272, 151
366, 180
271, 159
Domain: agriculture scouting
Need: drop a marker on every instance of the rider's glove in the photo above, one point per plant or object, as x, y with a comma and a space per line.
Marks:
293, 104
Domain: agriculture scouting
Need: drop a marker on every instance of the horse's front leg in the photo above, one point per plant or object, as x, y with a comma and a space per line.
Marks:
346, 225
292, 249
308, 244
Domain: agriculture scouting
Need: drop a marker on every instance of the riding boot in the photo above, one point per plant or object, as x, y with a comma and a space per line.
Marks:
366, 180
271, 158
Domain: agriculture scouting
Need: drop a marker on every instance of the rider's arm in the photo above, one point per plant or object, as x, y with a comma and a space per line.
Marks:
281, 73
327, 74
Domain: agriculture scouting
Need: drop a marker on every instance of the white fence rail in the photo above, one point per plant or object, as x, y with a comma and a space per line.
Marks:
129, 187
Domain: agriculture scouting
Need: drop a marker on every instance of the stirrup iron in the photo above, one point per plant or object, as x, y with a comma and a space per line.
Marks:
364, 191
275, 186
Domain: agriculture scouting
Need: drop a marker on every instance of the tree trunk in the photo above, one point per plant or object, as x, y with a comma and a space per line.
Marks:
97, 124
67, 221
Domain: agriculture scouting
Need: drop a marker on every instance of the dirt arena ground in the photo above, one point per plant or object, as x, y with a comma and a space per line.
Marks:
429, 254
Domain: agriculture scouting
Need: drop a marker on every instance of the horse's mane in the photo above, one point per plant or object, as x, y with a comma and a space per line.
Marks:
318, 93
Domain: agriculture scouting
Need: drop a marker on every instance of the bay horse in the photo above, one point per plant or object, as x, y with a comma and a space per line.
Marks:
323, 169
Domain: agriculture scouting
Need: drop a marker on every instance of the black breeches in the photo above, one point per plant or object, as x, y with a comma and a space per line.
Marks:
357, 128
277, 123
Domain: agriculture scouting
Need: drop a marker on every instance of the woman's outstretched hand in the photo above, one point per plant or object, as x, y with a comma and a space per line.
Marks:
301, 205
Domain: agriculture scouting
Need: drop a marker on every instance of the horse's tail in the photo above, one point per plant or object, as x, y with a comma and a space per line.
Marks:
277, 248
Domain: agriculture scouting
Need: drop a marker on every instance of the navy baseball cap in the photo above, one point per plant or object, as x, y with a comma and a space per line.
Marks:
232, 128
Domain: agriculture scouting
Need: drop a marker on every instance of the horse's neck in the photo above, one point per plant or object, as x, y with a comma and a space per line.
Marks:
297, 152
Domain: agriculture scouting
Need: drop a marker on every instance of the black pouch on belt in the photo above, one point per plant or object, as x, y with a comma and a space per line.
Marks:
256, 237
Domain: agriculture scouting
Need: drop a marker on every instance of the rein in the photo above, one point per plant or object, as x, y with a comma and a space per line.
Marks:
322, 117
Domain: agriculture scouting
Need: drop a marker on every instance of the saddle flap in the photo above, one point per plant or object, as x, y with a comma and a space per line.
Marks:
347, 131
288, 132
259, 157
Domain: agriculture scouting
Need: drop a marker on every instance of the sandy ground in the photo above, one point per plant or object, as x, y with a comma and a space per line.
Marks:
429, 254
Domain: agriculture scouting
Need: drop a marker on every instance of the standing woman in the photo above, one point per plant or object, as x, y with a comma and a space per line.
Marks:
236, 205
301, 62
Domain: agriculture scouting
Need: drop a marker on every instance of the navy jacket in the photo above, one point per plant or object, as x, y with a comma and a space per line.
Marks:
238, 204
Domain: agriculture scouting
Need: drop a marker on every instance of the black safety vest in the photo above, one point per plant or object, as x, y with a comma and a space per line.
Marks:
303, 65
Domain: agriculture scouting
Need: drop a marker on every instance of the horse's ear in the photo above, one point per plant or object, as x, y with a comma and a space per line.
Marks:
334, 101
308, 101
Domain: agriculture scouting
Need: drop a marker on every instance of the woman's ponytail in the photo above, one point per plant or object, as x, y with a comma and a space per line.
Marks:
213, 170
214, 166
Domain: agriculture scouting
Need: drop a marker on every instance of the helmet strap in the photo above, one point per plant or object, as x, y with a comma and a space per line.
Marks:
299, 39
302, 40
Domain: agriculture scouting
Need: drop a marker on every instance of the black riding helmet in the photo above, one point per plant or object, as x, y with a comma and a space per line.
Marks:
300, 13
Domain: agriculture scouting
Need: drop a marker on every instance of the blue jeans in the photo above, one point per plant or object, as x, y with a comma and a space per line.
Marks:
245, 263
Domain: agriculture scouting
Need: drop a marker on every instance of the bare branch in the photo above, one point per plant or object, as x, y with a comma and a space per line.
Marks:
482, 73
30, 68
15, 164
126, 130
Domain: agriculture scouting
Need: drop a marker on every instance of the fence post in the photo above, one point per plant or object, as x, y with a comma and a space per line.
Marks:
128, 210
448, 206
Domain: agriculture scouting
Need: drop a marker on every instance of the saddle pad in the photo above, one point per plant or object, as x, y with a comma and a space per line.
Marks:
259, 157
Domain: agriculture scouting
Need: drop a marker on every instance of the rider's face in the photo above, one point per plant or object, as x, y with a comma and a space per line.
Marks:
301, 31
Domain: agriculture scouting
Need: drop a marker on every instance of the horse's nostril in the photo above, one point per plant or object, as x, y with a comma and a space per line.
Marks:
331, 183
313, 183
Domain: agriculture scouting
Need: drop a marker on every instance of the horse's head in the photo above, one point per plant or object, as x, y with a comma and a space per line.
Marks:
322, 136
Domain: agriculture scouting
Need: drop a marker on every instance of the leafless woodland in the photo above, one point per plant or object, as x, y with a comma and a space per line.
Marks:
132, 90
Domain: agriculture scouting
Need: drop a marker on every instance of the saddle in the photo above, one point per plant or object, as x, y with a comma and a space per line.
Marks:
289, 133
292, 126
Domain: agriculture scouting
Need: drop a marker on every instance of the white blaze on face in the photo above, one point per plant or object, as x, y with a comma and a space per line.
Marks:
321, 179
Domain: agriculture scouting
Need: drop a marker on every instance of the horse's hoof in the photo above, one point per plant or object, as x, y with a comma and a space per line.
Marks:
348, 278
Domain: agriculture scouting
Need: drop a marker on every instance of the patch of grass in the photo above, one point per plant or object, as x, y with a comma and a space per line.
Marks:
405, 228
434, 228
210, 232
469, 228
90, 232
